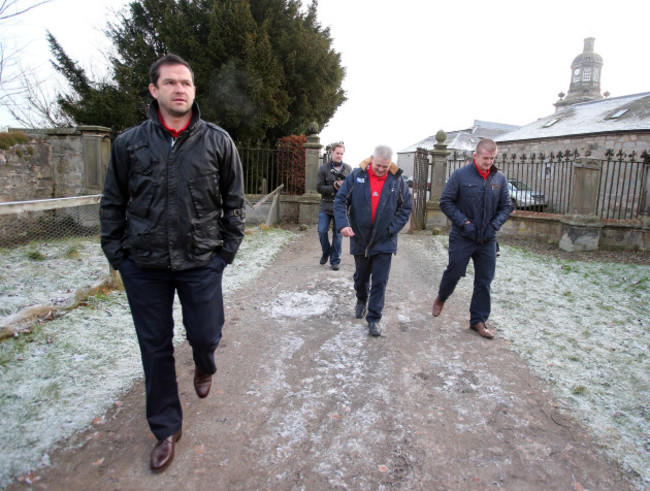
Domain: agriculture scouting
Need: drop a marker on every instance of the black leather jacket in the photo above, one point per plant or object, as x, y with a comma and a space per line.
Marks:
172, 204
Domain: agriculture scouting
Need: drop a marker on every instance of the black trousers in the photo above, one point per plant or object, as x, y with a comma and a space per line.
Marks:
370, 280
461, 251
151, 297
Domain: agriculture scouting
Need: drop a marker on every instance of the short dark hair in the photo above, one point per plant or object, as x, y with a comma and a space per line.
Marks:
486, 144
169, 59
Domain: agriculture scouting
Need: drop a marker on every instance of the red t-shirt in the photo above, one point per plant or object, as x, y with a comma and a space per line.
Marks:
376, 185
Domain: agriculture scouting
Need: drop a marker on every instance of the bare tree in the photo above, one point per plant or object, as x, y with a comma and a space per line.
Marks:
10, 9
36, 105
12, 77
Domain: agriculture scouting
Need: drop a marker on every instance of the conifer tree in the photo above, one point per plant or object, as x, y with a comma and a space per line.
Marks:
263, 68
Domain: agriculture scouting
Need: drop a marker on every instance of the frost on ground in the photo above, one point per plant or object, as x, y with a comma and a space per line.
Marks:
48, 273
72, 369
585, 328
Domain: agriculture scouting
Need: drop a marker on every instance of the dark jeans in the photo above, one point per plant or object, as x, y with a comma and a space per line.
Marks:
484, 258
151, 298
371, 275
333, 250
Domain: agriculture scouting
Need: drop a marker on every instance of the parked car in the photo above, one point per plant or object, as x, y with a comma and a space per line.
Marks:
409, 182
525, 197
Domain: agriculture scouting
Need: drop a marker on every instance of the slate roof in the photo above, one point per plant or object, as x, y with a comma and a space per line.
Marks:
464, 140
588, 118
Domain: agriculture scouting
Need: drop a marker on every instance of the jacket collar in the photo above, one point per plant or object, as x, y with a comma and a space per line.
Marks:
393, 169
152, 114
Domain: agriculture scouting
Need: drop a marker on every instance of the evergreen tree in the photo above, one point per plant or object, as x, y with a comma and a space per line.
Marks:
263, 68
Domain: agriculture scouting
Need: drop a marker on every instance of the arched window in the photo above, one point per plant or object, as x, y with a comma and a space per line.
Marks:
596, 74
576, 75
586, 74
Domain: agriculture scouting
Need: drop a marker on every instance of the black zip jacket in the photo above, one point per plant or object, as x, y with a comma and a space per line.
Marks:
172, 204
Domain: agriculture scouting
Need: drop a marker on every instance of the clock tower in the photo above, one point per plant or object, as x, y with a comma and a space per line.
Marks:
585, 77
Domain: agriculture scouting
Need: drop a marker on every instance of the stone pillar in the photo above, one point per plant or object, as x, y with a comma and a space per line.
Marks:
436, 219
309, 202
96, 146
584, 195
581, 229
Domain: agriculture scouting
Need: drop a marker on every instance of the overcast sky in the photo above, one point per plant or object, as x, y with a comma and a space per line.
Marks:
416, 66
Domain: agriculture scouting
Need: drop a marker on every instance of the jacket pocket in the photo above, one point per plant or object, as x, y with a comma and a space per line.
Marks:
469, 231
138, 238
206, 235
142, 184
206, 197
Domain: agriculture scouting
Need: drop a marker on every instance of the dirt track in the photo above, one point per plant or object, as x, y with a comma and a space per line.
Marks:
305, 399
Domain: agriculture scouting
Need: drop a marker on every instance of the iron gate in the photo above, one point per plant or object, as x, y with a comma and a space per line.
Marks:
419, 189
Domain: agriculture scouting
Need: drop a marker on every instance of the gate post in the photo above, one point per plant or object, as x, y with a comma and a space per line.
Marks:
435, 217
645, 204
645, 192
582, 228
309, 202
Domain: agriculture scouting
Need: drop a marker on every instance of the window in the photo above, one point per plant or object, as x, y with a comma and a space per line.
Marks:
586, 74
596, 74
618, 114
576, 75
550, 123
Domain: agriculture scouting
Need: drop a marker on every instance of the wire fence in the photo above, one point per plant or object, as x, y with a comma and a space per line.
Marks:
23, 222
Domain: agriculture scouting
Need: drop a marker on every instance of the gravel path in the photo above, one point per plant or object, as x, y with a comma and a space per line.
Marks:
305, 399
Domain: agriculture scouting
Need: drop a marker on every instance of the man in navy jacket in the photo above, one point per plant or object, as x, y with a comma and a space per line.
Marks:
372, 206
477, 201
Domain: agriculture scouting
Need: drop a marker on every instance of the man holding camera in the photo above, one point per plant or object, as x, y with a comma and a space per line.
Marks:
330, 177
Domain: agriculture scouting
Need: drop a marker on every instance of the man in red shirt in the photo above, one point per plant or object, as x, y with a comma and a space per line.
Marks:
477, 202
372, 206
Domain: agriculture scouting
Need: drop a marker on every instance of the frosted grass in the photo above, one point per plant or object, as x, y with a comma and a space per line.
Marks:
76, 366
585, 328
48, 273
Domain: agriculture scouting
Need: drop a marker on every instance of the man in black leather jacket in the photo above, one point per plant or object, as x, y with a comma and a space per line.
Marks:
477, 202
172, 217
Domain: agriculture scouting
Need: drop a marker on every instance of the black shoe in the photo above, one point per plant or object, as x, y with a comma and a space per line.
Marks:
324, 258
335, 267
373, 329
360, 309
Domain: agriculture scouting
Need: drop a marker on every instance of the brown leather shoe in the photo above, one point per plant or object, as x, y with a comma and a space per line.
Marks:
437, 306
202, 383
480, 328
163, 453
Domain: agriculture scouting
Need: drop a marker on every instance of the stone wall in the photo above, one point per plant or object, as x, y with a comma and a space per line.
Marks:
593, 146
26, 171
55, 163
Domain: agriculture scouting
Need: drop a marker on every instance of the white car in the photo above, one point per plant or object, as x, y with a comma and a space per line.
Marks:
523, 196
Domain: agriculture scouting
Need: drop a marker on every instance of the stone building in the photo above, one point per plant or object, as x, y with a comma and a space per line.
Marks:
586, 120
460, 141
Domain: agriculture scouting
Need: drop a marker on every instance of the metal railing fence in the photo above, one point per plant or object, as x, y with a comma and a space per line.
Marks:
620, 183
266, 169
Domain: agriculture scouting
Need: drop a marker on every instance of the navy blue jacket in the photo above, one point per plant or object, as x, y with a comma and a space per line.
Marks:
352, 208
484, 202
